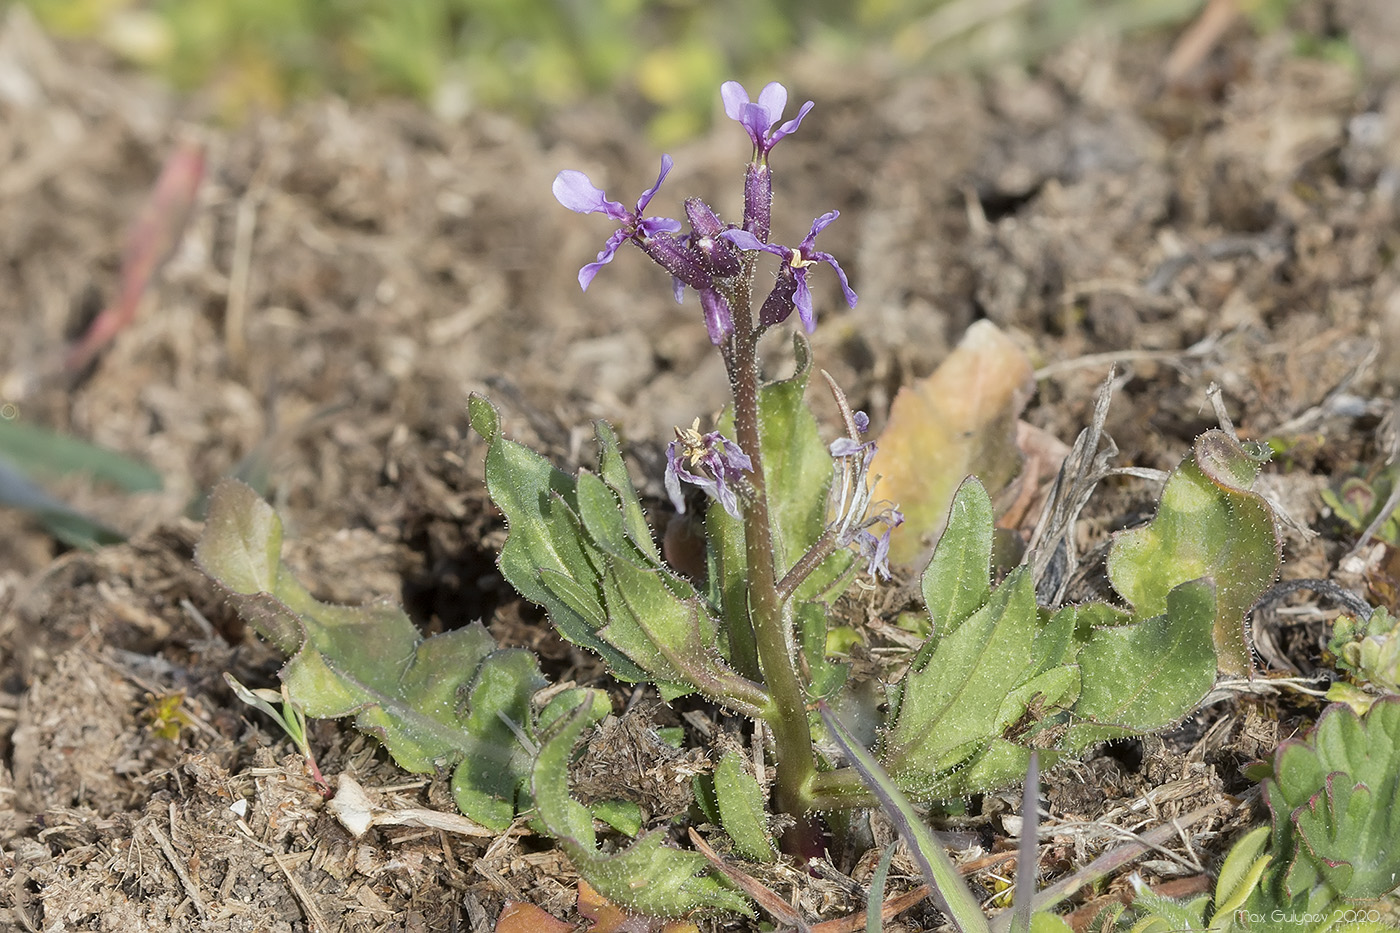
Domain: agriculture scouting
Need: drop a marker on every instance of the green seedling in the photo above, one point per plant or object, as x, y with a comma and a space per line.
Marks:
1368, 651
289, 717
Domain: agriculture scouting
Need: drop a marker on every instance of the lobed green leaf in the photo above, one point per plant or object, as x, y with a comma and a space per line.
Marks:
1209, 524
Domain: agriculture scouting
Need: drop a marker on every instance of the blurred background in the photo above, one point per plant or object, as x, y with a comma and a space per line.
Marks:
661, 59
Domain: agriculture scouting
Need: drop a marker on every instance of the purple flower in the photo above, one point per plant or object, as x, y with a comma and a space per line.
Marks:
709, 461
758, 119
577, 193
792, 289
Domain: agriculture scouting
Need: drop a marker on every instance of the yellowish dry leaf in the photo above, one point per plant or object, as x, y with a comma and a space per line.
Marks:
961, 419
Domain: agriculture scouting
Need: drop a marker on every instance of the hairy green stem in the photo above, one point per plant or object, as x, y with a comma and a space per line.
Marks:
786, 715
841, 789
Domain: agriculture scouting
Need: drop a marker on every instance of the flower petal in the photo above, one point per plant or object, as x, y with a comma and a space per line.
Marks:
586, 274
803, 300
647, 195
790, 126
672, 479
850, 294
735, 99
747, 241
818, 225
772, 99
573, 190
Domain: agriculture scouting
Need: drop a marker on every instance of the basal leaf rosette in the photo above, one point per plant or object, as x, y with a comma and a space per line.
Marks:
1333, 797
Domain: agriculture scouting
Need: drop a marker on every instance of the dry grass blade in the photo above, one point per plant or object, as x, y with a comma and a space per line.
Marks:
778, 908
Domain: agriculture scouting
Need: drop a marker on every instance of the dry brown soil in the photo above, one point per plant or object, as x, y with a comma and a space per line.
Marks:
350, 274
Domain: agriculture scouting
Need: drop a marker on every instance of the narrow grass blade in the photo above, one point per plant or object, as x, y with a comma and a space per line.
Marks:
948, 890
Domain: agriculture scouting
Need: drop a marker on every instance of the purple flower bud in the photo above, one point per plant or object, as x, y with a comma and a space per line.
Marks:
573, 190
677, 257
758, 200
758, 119
720, 256
779, 303
719, 319
709, 461
703, 219
796, 263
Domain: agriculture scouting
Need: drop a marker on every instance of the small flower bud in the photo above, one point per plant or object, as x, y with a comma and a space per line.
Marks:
758, 200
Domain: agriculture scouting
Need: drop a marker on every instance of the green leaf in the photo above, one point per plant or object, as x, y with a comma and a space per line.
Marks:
648, 876
1209, 524
60, 519
874, 913
613, 471
495, 763
1338, 790
625, 816
1148, 674
1046, 922
741, 808
953, 896
797, 465
953, 706
671, 636
434, 703
548, 557
1242, 871
957, 581
1165, 915
43, 453
824, 676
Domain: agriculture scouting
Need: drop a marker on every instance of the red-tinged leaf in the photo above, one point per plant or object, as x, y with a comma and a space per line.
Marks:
959, 420
520, 917
150, 242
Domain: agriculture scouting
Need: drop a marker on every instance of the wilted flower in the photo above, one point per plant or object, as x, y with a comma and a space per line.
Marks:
577, 193
709, 461
791, 289
758, 119
853, 496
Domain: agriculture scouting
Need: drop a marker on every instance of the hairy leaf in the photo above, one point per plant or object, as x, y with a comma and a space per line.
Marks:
434, 703
953, 706
647, 876
957, 581
741, 808
1209, 524
581, 548
1148, 674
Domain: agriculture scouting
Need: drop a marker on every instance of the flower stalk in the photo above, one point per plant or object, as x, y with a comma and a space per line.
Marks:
719, 262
